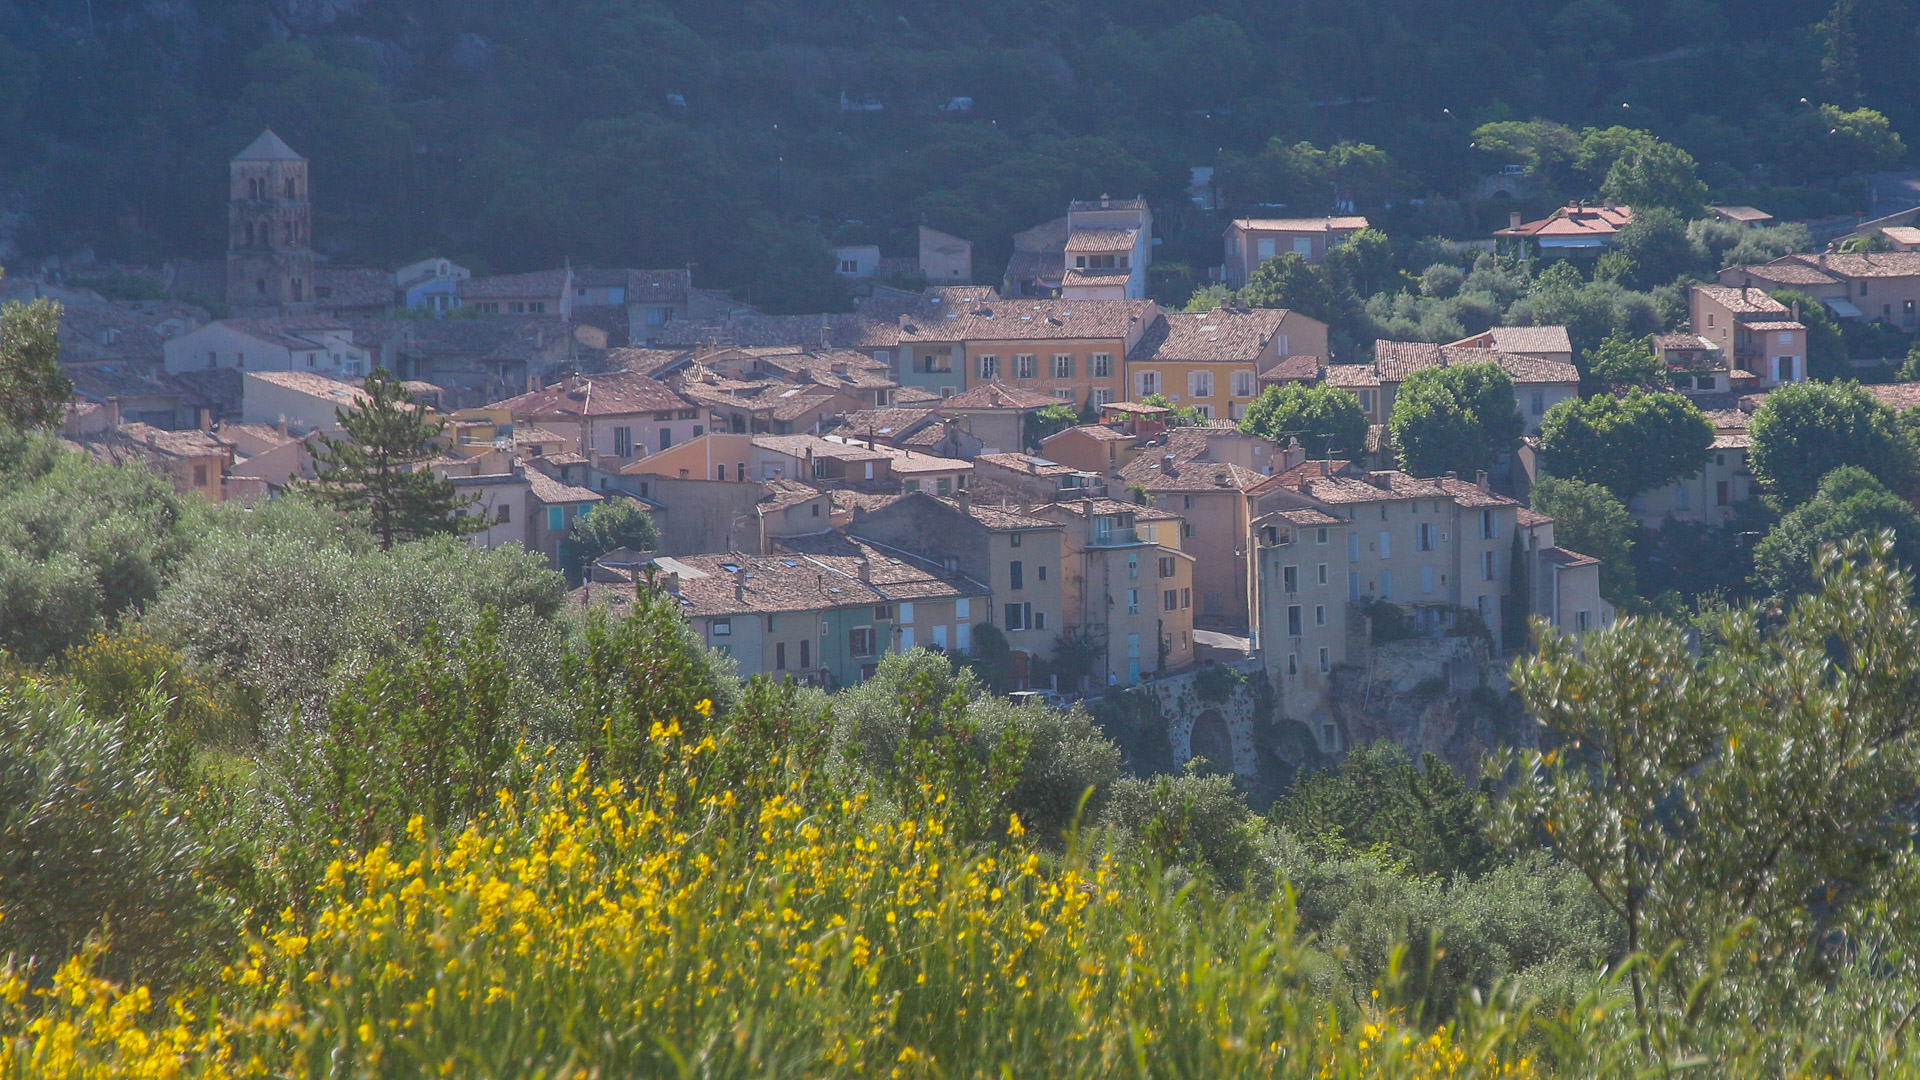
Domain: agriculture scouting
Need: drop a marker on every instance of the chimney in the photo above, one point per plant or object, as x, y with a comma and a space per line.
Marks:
1480, 479
1104, 201
966, 501
1513, 219
1796, 311
206, 414
1326, 467
280, 426
864, 568
113, 412
673, 583
1166, 464
740, 585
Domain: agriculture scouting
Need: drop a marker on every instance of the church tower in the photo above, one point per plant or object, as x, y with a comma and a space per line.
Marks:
269, 262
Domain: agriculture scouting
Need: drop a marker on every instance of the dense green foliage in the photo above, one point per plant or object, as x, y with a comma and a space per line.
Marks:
1804, 431
296, 723
1459, 419
33, 389
80, 543
671, 132
1628, 443
615, 523
1420, 815
1790, 747
1326, 419
1623, 363
1848, 505
1587, 518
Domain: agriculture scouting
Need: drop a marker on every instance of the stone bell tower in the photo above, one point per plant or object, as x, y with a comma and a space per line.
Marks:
269, 260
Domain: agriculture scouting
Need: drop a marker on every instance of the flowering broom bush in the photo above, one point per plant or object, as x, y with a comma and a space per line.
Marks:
721, 920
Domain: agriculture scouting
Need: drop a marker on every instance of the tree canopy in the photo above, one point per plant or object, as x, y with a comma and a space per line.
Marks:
1659, 176
1587, 518
615, 523
1805, 430
1621, 363
1327, 420
1629, 443
1459, 418
1849, 504
33, 389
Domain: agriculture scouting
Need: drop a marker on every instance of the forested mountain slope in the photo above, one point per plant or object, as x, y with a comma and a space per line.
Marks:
713, 132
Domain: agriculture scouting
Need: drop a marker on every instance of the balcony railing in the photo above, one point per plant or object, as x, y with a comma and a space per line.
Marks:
1139, 534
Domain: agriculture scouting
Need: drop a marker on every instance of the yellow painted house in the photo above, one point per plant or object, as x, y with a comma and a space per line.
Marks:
1212, 361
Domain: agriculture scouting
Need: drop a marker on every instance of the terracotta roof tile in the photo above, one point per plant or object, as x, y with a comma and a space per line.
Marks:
1742, 301
1220, 335
1306, 225
620, 393
996, 395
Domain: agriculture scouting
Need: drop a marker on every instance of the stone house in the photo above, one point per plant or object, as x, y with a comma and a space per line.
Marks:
998, 415
297, 398
1572, 231
539, 292
1212, 361
1126, 587
1204, 475
1252, 241
1538, 385
316, 344
1761, 338
614, 419
1015, 554
1882, 286
1072, 350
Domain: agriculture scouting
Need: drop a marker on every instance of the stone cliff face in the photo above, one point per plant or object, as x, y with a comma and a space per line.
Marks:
1443, 696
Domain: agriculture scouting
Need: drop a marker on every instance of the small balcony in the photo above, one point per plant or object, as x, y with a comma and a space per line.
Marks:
1125, 537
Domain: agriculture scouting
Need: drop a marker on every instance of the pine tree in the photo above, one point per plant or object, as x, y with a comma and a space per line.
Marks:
376, 469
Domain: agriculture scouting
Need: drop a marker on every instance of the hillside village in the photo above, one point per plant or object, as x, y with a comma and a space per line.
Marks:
1054, 461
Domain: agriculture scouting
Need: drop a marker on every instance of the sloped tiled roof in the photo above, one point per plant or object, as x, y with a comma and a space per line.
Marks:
539, 284
351, 287
1560, 556
1682, 341
1306, 225
1870, 264
782, 493
887, 424
1030, 320
1575, 221
1901, 396
1191, 471
642, 286
798, 446
1221, 335
619, 393
996, 395
1351, 375
1102, 239
342, 394
1531, 339
552, 492
1789, 271
1742, 301
1395, 360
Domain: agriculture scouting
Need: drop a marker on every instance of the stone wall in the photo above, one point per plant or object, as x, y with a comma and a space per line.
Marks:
1444, 696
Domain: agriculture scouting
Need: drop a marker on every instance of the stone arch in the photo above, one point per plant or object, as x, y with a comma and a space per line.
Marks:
1212, 740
